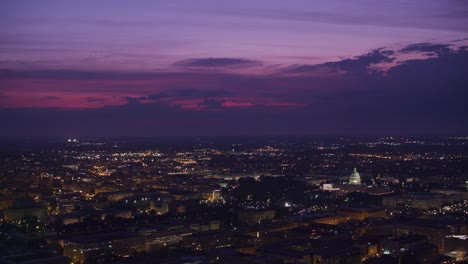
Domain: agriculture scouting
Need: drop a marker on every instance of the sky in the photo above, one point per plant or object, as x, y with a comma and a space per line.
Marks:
227, 68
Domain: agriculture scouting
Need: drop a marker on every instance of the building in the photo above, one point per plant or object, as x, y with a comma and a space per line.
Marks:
102, 246
34, 258
398, 245
116, 213
349, 255
314, 252
456, 246
326, 219
160, 207
362, 213
162, 239
217, 195
253, 217
355, 178
24, 207
416, 201
205, 226
287, 255
116, 196
209, 240
433, 232
329, 187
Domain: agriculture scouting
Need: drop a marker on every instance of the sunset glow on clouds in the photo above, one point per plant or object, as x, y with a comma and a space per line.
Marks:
264, 67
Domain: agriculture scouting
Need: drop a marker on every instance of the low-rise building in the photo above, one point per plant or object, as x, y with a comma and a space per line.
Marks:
101, 246
362, 213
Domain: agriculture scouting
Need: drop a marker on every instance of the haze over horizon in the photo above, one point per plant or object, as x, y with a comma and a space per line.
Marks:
212, 68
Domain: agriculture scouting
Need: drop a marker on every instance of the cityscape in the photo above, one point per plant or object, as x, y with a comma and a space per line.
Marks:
212, 132
236, 200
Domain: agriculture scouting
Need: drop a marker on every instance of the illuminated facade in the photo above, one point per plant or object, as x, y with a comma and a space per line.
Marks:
97, 247
355, 178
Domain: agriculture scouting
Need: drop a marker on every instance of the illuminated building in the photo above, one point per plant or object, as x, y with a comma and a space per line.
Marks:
24, 207
355, 178
252, 217
456, 246
161, 239
362, 213
209, 240
97, 247
417, 201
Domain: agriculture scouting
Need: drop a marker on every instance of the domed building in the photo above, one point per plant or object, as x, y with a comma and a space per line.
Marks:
355, 178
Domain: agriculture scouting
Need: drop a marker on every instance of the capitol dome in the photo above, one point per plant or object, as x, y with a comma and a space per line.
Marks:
355, 178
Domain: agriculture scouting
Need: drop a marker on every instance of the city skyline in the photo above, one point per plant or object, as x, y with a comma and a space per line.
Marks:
217, 132
223, 69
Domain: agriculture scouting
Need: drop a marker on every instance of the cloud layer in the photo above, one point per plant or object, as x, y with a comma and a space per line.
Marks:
416, 94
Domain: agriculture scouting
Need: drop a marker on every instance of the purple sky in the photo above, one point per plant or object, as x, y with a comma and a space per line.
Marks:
149, 68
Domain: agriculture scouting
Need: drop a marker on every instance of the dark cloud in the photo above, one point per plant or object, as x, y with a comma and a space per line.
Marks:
387, 52
299, 69
197, 93
426, 47
131, 99
51, 97
95, 99
158, 96
415, 97
361, 63
191, 93
211, 104
153, 97
216, 63
357, 64
458, 40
